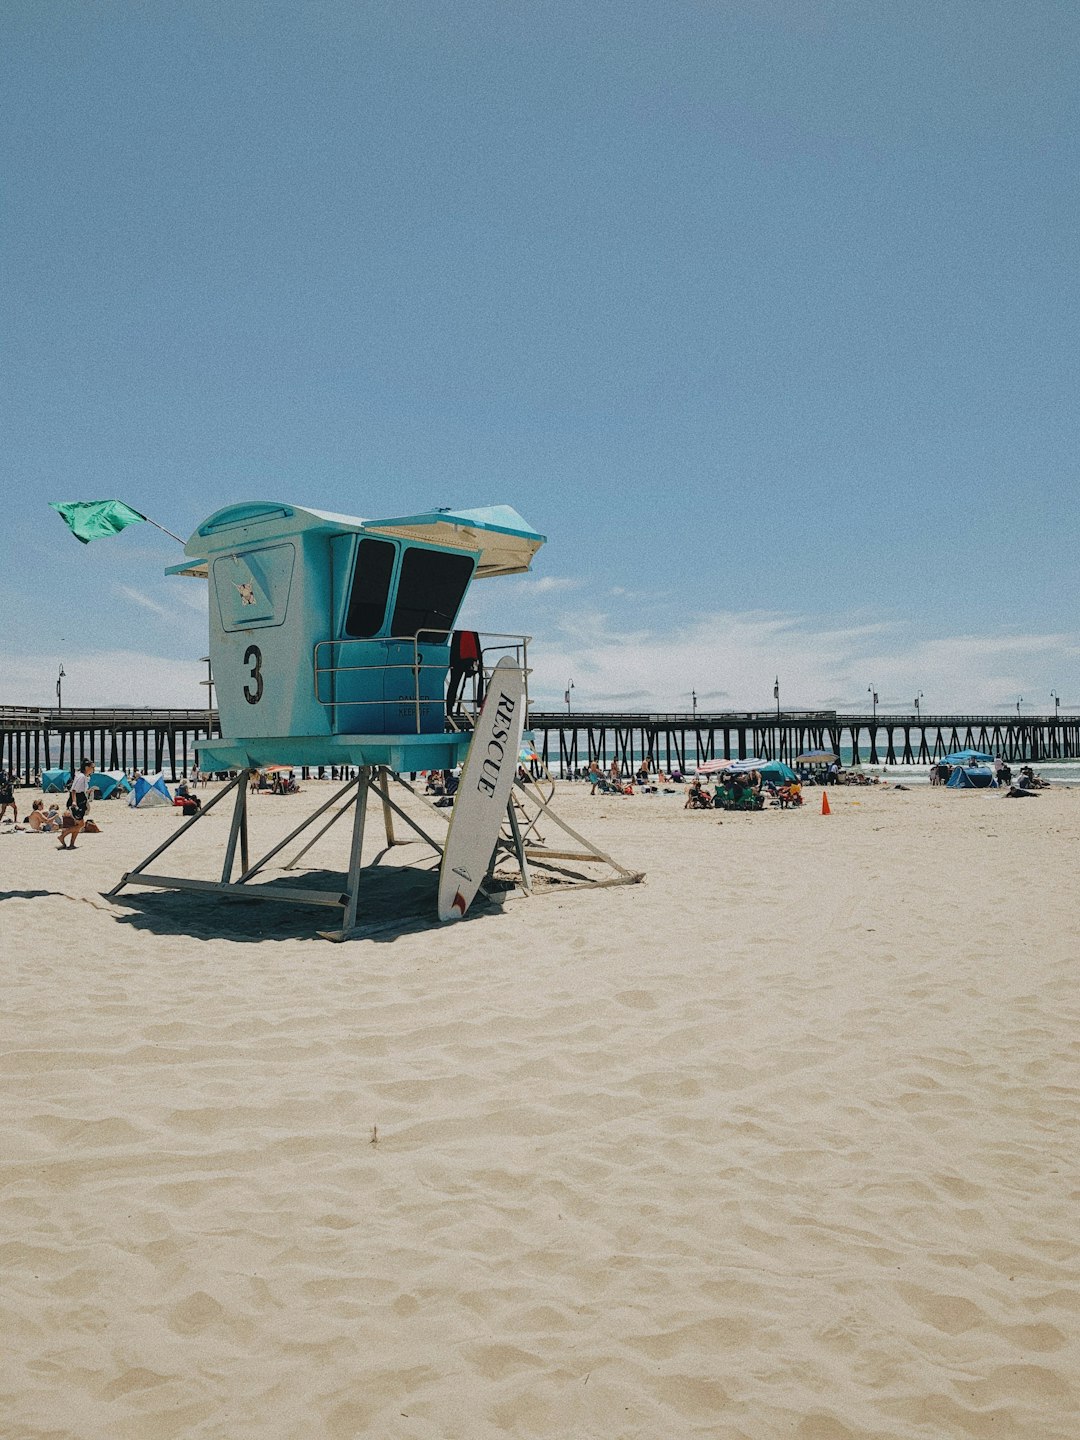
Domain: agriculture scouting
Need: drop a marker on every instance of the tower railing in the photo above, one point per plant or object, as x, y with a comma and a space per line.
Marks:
331, 661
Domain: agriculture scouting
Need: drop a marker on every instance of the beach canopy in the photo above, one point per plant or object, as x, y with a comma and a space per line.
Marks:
148, 792
714, 767
503, 542
777, 771
53, 782
969, 757
107, 782
816, 757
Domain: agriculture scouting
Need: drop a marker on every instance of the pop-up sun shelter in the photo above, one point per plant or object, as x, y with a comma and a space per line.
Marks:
972, 777
105, 782
148, 792
330, 641
108, 782
778, 773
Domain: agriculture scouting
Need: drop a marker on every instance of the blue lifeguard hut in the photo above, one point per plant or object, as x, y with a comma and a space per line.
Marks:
330, 636
332, 640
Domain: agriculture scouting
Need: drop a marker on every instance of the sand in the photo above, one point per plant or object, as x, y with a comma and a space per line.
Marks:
782, 1143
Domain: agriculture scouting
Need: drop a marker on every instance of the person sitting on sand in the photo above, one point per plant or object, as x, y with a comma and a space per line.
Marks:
42, 820
696, 798
789, 795
189, 803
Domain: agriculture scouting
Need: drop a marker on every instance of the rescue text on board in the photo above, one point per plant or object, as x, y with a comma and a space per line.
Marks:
493, 761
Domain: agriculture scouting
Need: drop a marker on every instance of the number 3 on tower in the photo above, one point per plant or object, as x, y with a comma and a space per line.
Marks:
253, 658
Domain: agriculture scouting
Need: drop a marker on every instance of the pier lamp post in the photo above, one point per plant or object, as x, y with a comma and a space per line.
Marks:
918, 711
209, 683
779, 731
873, 700
59, 688
693, 701
1056, 698
566, 697
1019, 702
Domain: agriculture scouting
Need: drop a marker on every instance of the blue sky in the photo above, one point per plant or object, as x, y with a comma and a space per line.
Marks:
764, 313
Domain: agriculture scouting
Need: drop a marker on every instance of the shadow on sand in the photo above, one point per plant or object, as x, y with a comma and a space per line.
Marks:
394, 902
29, 894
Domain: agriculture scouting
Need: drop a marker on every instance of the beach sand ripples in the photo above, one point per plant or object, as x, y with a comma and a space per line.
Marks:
739, 1157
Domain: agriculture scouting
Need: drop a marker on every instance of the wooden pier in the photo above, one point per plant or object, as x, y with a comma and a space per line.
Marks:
682, 741
33, 739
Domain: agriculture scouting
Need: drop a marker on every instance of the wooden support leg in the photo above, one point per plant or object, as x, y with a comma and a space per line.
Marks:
356, 850
411, 822
383, 786
241, 780
259, 864
630, 876
519, 846
238, 823
245, 859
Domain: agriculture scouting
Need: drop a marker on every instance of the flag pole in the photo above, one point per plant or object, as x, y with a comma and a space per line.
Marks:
163, 530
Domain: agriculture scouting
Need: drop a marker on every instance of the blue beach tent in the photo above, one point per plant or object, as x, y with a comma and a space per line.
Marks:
778, 772
108, 782
972, 777
55, 782
969, 757
149, 792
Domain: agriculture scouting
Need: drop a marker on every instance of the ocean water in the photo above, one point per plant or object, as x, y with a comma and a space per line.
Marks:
1055, 772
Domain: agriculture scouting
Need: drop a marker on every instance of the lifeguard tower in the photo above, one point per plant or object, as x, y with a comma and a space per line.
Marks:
330, 641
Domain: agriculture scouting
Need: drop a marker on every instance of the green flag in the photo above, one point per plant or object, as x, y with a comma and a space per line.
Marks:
92, 519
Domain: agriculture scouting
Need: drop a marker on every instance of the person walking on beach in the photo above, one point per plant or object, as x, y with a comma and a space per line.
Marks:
7, 794
78, 805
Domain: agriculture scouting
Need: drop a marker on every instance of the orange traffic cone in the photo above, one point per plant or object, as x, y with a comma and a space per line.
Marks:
825, 803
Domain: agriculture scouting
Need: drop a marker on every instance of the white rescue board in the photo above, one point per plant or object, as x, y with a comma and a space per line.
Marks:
483, 791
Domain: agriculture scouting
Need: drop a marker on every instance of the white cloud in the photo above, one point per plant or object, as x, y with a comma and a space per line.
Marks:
145, 601
733, 658
548, 584
102, 678
729, 658
195, 595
